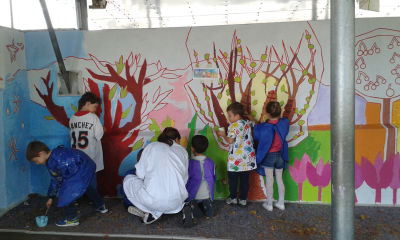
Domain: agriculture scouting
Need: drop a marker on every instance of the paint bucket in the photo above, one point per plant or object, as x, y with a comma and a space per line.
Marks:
41, 221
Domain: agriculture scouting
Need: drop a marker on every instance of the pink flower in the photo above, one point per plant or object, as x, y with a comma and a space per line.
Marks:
319, 176
395, 184
358, 177
379, 175
298, 172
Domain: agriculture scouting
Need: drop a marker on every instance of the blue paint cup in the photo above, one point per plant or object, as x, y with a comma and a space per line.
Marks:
41, 221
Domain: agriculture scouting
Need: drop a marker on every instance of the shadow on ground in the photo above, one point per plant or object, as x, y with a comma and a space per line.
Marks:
298, 221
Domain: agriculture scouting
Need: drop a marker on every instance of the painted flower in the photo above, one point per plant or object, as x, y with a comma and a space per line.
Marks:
379, 175
395, 184
298, 172
358, 177
319, 176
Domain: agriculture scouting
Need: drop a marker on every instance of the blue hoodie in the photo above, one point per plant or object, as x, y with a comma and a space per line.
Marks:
264, 134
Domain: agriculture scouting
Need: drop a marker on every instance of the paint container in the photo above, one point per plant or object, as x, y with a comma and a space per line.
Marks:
222, 129
41, 221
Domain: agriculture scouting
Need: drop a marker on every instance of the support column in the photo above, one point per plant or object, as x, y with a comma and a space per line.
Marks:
342, 118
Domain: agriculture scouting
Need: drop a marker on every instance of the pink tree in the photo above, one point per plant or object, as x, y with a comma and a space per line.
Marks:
379, 175
358, 177
298, 172
395, 184
319, 176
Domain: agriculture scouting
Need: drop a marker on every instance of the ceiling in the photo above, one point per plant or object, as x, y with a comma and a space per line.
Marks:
119, 14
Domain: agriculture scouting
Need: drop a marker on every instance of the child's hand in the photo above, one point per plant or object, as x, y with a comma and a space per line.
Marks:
221, 133
49, 202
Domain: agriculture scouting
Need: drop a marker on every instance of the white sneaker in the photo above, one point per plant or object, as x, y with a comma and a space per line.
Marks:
267, 206
135, 211
242, 203
231, 201
281, 206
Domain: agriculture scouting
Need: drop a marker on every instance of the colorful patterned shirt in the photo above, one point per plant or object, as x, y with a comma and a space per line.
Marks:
242, 156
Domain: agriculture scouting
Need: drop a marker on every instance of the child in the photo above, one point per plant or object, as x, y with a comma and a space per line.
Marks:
272, 152
127, 203
72, 175
241, 159
200, 185
86, 129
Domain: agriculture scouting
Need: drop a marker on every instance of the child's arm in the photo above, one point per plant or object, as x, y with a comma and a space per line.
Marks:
98, 129
222, 134
55, 184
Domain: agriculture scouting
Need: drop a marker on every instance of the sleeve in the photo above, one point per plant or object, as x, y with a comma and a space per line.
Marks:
256, 132
55, 183
98, 129
232, 130
142, 164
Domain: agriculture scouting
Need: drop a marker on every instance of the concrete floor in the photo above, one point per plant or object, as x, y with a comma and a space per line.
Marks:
298, 221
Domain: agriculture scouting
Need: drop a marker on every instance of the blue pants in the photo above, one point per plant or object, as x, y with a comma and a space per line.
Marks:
233, 178
91, 193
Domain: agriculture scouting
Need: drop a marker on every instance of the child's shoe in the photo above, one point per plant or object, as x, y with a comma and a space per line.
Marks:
281, 206
207, 208
102, 209
148, 218
187, 216
68, 223
242, 203
195, 209
267, 206
136, 211
231, 201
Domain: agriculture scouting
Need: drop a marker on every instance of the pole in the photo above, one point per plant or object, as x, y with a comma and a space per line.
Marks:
81, 14
64, 84
342, 118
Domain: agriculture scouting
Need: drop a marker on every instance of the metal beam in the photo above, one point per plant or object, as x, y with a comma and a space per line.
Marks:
342, 118
64, 84
82, 14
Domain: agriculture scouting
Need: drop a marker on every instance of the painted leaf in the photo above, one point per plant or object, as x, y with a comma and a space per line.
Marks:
138, 144
124, 92
154, 127
74, 107
49, 117
126, 112
167, 123
120, 65
283, 89
112, 92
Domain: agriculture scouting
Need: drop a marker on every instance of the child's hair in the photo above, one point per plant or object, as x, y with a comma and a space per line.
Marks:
200, 143
139, 155
34, 148
236, 108
273, 109
169, 135
88, 97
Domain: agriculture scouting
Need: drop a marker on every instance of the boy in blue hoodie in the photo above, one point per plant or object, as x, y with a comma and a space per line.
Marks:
72, 175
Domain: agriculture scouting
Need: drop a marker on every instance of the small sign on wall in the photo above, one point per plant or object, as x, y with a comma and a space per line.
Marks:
205, 74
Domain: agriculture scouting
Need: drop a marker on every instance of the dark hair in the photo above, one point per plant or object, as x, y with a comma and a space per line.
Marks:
88, 97
236, 108
273, 109
139, 155
200, 143
169, 135
34, 148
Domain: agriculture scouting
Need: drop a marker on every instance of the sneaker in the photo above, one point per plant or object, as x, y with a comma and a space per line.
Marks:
187, 216
136, 211
68, 223
207, 208
102, 209
242, 203
148, 218
231, 201
267, 206
280, 206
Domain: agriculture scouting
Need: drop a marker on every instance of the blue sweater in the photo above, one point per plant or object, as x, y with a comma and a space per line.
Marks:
71, 171
264, 134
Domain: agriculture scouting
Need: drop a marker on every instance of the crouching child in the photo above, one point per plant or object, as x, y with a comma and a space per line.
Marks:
72, 175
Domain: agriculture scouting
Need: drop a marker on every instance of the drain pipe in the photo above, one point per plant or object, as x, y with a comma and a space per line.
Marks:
65, 84
342, 118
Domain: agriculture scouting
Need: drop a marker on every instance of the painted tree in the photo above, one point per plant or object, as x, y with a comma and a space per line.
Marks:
289, 74
128, 78
377, 75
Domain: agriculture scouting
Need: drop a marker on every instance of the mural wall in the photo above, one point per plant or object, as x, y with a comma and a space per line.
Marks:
145, 80
14, 101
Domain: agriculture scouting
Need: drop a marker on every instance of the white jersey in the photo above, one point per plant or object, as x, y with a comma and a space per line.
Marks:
86, 132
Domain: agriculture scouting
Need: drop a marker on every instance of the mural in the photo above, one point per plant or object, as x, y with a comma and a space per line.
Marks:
145, 81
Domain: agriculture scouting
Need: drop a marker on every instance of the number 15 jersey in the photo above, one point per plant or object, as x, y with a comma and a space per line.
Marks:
86, 132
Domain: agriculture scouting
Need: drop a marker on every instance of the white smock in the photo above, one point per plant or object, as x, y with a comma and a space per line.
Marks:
159, 184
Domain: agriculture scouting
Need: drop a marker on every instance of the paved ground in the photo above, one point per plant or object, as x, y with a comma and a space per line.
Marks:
298, 221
